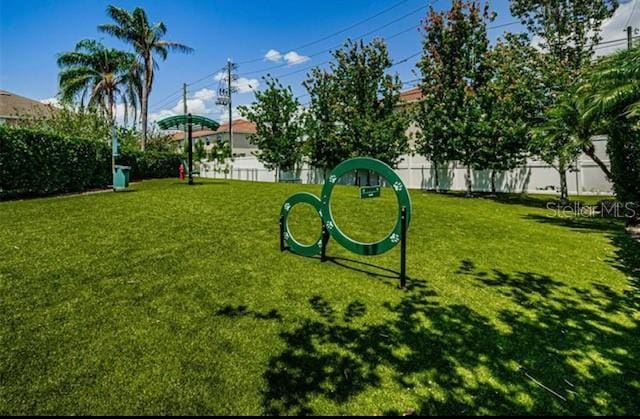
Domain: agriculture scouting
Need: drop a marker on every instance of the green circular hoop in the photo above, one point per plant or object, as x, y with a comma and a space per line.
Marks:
295, 246
365, 163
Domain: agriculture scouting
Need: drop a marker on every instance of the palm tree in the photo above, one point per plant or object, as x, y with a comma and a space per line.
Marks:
559, 139
612, 88
101, 75
134, 28
610, 95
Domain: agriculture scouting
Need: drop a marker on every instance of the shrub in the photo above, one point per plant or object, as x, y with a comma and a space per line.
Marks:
36, 163
624, 153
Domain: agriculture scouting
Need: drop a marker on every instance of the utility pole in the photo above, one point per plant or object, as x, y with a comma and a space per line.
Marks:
184, 109
226, 90
229, 79
630, 37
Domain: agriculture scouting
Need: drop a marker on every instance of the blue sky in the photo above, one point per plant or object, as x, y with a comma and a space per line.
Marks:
32, 32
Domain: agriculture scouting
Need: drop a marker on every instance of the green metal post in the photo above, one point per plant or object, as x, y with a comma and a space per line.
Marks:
282, 246
190, 134
403, 248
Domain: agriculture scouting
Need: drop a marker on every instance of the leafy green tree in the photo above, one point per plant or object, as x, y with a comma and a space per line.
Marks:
454, 74
219, 152
276, 114
147, 40
83, 122
516, 97
199, 153
557, 139
100, 75
569, 31
353, 107
610, 97
611, 89
323, 146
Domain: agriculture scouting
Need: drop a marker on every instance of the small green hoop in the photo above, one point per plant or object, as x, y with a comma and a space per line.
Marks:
292, 243
382, 169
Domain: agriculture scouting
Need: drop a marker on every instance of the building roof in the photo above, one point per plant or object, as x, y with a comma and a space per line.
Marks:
411, 95
240, 126
18, 107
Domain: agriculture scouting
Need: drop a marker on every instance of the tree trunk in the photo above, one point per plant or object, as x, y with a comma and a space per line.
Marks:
143, 117
144, 106
437, 179
590, 151
493, 182
111, 113
468, 181
564, 190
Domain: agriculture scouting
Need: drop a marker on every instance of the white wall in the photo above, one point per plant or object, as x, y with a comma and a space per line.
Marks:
418, 173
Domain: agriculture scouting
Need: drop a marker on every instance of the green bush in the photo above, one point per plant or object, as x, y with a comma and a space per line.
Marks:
624, 153
36, 163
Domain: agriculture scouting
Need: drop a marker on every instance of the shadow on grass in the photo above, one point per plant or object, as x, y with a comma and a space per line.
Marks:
200, 183
586, 224
244, 311
369, 269
540, 201
549, 349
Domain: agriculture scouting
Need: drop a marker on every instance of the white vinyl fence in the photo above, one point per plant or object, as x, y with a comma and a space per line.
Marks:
417, 173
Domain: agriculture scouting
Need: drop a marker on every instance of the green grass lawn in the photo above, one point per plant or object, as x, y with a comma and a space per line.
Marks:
176, 300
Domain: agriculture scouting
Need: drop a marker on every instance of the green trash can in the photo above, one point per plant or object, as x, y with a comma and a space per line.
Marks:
121, 178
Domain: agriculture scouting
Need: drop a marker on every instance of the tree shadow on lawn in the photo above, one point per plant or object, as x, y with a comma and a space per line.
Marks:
371, 270
550, 349
200, 183
584, 224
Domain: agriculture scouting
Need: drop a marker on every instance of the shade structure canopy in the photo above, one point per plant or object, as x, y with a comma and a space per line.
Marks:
179, 121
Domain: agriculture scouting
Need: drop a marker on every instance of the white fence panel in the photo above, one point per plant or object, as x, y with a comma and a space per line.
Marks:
418, 173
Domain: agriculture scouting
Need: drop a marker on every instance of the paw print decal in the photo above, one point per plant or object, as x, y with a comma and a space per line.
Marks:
398, 186
287, 207
394, 238
333, 179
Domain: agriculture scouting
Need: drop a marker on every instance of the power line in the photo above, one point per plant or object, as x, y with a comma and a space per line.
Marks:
633, 12
341, 31
266, 70
356, 38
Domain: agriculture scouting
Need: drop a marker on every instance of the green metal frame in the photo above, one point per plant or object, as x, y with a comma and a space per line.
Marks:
329, 227
393, 238
189, 120
291, 242
179, 122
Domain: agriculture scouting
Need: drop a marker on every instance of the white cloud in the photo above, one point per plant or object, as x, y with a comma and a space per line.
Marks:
273, 55
205, 94
52, 101
615, 27
223, 116
293, 58
202, 103
245, 85
612, 29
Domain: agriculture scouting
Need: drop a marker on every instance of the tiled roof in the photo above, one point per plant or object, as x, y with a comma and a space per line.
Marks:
16, 106
411, 95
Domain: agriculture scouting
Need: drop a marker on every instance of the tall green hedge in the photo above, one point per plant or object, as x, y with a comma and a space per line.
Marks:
35, 163
623, 148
